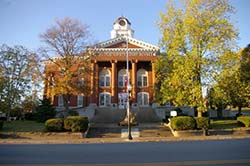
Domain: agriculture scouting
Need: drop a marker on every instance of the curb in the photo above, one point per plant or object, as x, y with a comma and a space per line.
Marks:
211, 132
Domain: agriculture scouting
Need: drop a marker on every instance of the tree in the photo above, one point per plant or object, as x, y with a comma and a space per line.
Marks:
17, 71
245, 65
245, 73
45, 111
194, 37
163, 68
67, 39
232, 85
29, 104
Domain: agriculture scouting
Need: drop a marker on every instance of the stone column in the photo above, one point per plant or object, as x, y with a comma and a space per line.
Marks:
153, 73
114, 81
92, 82
153, 79
134, 79
96, 83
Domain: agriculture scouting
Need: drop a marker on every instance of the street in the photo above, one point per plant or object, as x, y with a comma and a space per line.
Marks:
212, 152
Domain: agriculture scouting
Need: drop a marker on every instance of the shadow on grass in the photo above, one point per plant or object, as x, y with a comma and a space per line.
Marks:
224, 124
12, 136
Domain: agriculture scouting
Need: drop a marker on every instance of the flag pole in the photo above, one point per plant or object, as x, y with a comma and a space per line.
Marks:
128, 91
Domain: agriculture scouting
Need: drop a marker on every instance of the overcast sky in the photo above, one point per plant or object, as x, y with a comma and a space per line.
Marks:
21, 21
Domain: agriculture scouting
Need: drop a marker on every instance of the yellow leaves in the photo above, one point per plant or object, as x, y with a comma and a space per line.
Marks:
195, 39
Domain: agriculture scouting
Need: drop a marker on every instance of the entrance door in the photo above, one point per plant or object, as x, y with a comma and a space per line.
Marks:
142, 99
104, 99
122, 97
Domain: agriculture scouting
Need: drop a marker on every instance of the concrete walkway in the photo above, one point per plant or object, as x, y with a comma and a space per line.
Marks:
76, 139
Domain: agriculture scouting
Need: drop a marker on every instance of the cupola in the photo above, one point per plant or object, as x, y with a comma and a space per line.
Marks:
122, 27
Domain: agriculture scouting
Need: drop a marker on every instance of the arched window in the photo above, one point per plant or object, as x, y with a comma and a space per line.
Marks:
142, 78
143, 98
104, 99
80, 81
79, 100
122, 77
105, 78
60, 100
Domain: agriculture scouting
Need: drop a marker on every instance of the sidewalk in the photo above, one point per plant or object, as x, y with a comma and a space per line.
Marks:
77, 138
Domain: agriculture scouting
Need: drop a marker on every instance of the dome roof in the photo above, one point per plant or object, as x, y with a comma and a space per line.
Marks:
122, 18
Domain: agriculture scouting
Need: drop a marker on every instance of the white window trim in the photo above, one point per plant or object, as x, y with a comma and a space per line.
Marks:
60, 100
142, 94
79, 100
81, 81
142, 77
105, 78
105, 94
123, 74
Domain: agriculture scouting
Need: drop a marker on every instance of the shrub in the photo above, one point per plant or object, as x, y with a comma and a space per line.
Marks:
16, 112
29, 116
179, 111
183, 123
244, 120
54, 125
76, 123
45, 111
1, 124
202, 122
73, 113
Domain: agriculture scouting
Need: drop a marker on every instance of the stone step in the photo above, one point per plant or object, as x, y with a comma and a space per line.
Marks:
115, 131
112, 115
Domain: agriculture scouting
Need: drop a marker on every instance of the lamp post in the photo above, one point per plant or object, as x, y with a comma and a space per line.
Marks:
128, 93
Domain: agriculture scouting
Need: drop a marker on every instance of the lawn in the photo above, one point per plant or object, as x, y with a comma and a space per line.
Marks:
23, 126
224, 124
243, 110
246, 111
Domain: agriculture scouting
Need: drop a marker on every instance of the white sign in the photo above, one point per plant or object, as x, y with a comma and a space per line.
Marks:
173, 113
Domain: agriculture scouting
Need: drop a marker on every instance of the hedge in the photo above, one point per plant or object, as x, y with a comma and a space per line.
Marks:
183, 123
54, 125
76, 123
202, 122
73, 113
244, 120
1, 124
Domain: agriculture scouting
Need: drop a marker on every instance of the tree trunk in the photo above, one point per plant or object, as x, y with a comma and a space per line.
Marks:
199, 114
239, 110
66, 104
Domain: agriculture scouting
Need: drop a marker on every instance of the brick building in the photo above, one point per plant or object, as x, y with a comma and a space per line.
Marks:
108, 71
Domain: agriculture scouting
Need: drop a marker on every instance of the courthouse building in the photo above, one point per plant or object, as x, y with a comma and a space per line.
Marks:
108, 65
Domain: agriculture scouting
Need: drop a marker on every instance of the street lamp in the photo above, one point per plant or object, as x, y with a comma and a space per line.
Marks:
128, 113
128, 93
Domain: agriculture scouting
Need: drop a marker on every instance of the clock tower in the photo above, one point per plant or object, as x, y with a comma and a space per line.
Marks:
122, 28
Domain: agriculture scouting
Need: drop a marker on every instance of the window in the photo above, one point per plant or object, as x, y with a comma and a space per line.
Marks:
122, 78
104, 99
122, 98
60, 100
79, 100
142, 78
143, 99
62, 70
81, 70
80, 81
105, 78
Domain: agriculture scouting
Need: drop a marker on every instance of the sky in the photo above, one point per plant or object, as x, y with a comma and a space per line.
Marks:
21, 21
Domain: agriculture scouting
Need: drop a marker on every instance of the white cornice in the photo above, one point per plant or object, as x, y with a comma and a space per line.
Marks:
131, 40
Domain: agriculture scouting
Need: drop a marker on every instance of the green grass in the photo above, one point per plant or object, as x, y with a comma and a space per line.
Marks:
23, 126
246, 111
224, 124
